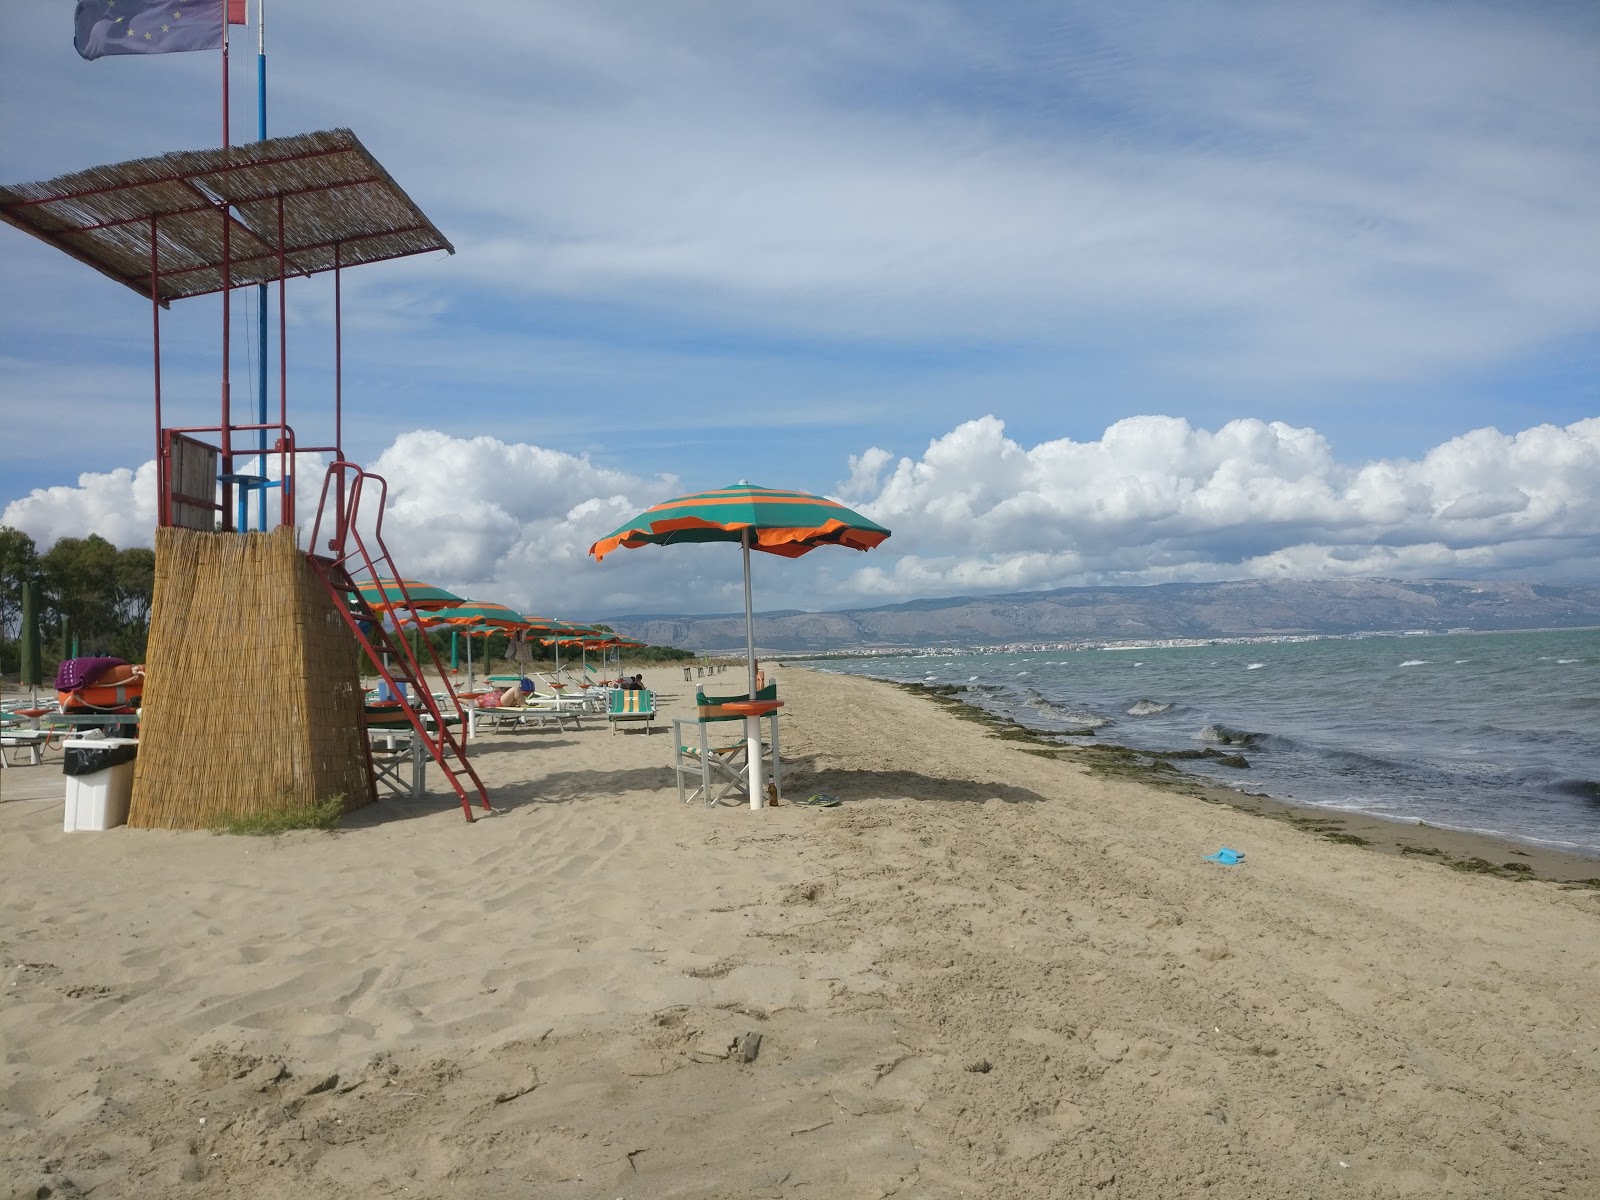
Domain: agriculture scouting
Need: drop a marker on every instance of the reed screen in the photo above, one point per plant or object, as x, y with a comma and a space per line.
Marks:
252, 702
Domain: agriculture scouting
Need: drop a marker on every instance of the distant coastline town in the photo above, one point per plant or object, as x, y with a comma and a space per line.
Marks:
1068, 647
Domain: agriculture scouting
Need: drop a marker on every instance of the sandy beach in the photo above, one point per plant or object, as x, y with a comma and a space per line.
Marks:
990, 972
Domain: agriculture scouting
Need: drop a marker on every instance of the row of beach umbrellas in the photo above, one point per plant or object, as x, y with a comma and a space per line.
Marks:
438, 608
760, 519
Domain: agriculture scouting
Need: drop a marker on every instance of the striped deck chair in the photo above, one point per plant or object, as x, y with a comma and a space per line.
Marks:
722, 766
633, 707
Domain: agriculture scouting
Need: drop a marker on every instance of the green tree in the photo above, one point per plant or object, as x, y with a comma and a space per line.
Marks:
80, 581
19, 563
135, 588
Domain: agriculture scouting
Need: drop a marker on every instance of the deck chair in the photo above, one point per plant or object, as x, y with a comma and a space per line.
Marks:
632, 708
714, 756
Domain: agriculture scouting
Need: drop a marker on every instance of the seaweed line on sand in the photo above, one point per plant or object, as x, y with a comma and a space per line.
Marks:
1154, 768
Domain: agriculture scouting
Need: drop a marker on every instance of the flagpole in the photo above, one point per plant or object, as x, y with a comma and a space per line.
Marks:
223, 5
261, 288
227, 309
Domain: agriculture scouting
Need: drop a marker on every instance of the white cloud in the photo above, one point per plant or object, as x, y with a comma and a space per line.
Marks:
1152, 500
119, 505
1155, 500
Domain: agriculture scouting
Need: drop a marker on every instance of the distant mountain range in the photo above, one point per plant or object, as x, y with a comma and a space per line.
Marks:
1251, 608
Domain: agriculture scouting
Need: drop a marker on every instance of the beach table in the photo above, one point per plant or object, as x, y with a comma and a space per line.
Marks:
79, 720
752, 711
394, 744
392, 749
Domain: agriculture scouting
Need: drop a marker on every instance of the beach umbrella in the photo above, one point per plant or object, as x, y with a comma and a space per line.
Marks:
475, 618
771, 520
476, 612
574, 635
563, 633
381, 594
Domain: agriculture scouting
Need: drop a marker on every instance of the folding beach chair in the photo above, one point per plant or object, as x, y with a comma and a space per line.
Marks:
632, 707
721, 767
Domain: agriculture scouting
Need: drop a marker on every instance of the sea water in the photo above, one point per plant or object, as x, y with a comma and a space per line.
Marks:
1490, 733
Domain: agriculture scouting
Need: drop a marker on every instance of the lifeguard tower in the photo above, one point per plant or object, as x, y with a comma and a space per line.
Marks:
253, 700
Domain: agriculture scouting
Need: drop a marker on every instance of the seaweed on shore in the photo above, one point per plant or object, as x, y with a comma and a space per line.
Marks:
1473, 865
1155, 768
1482, 866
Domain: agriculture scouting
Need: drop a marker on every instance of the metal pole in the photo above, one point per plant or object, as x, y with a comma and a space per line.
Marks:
163, 510
224, 5
227, 396
227, 292
338, 388
749, 614
287, 500
261, 288
752, 725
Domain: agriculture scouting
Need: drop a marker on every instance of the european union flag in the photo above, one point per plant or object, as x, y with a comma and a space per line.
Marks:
147, 26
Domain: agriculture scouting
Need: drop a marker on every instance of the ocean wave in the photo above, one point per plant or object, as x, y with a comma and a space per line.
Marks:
1229, 737
1079, 717
1148, 708
1415, 662
1255, 666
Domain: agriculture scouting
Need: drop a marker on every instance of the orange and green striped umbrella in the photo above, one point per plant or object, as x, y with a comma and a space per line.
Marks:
477, 612
774, 520
381, 594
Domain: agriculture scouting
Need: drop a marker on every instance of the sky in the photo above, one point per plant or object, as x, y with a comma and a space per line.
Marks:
1061, 293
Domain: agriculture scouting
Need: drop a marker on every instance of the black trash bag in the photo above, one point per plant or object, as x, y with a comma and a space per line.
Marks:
86, 760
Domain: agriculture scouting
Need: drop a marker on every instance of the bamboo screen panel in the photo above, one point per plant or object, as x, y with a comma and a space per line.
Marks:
252, 700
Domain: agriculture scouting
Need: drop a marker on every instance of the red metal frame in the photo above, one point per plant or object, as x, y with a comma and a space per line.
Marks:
285, 448
333, 560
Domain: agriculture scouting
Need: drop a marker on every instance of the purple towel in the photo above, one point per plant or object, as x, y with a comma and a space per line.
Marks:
75, 673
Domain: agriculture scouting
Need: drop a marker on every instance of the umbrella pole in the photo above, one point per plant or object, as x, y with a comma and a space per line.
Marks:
752, 725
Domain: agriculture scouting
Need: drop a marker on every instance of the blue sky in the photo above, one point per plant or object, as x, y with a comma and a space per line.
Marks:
1062, 293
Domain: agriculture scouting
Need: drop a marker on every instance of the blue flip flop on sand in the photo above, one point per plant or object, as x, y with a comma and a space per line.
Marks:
1227, 857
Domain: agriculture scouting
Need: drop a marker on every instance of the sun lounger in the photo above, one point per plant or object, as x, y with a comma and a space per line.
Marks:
31, 740
633, 707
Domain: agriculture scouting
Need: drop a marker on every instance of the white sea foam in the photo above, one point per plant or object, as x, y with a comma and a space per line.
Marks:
1146, 708
1565, 662
1255, 666
1415, 662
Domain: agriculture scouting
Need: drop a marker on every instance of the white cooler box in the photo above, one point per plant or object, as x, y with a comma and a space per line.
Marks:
98, 800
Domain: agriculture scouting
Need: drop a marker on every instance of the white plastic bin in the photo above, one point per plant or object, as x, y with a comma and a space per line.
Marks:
98, 800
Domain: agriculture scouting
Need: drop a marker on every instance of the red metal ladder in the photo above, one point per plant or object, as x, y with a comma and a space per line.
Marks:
338, 562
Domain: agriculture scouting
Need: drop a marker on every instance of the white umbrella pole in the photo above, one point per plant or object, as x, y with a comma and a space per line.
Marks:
752, 725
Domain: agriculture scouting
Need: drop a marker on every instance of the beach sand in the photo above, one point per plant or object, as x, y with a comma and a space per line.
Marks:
988, 973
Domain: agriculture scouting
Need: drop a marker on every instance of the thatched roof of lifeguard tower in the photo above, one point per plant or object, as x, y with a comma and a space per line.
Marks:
339, 208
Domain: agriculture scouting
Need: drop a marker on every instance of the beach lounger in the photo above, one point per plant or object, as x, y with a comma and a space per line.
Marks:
721, 765
632, 708
15, 740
